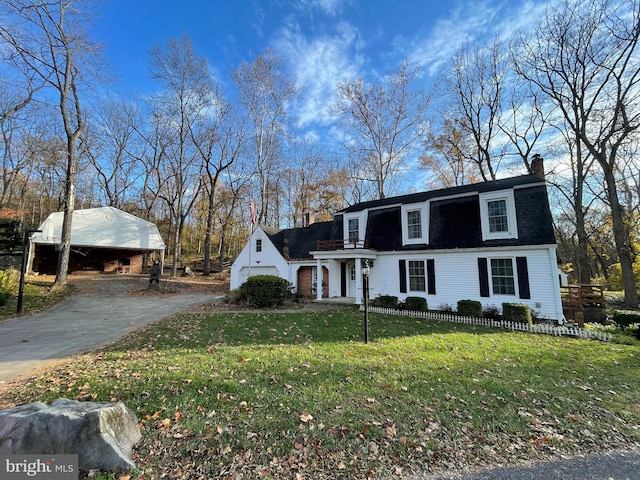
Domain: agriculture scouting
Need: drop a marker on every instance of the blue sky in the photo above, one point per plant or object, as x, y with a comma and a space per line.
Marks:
321, 42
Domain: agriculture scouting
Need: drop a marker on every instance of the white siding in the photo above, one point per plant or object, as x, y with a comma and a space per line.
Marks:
250, 262
456, 275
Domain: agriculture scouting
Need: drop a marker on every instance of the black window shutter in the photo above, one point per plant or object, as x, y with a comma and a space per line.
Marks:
402, 269
431, 277
523, 277
483, 276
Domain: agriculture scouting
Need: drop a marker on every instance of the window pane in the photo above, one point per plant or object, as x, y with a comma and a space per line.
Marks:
417, 282
497, 211
502, 276
414, 224
353, 230
258, 245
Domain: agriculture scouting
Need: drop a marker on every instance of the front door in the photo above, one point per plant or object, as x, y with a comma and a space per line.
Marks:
351, 283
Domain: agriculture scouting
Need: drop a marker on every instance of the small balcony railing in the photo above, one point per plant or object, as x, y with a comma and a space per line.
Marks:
340, 244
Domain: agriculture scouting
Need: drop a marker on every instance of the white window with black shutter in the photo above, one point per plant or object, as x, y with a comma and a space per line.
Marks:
417, 276
504, 276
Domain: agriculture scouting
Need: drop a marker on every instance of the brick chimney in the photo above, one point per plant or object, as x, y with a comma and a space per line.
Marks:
537, 165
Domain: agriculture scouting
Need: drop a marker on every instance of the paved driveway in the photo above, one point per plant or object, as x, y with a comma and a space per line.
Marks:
82, 323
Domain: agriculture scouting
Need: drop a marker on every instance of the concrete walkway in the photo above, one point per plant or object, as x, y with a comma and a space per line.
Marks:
82, 323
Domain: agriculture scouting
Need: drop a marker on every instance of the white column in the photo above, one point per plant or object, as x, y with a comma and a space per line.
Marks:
359, 291
318, 279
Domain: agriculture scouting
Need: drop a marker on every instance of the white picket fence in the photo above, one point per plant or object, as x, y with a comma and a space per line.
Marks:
486, 322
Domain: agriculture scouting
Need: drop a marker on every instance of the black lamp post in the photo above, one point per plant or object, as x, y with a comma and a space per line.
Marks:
25, 254
365, 290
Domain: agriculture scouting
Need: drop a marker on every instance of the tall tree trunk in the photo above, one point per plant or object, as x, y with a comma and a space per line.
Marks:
67, 218
622, 238
206, 269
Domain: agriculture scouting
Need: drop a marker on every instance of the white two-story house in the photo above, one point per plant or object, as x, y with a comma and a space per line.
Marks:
491, 241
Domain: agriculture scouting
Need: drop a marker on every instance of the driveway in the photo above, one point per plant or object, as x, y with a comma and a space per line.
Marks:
83, 322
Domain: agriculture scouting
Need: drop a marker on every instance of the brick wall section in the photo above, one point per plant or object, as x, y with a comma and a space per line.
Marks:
135, 266
306, 279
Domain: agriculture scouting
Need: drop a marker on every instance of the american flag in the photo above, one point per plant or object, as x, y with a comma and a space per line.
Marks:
252, 213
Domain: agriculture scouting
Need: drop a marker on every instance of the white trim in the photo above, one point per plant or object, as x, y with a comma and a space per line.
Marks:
514, 270
362, 226
423, 208
508, 197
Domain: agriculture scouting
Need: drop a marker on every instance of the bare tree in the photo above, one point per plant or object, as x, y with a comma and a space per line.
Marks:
188, 89
387, 122
570, 181
584, 56
524, 118
445, 155
264, 92
112, 147
219, 139
305, 183
50, 38
475, 90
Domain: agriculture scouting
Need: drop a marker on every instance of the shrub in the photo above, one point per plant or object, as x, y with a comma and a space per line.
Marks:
385, 301
470, 308
235, 296
416, 304
266, 290
9, 284
517, 312
624, 318
491, 312
10, 281
445, 308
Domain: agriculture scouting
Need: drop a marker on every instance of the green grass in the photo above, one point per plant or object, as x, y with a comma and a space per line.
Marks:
37, 297
272, 395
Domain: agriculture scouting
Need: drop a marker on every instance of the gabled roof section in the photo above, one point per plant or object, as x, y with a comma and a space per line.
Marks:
296, 243
502, 184
105, 227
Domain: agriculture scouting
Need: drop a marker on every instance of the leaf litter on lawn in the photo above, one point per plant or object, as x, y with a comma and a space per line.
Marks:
298, 395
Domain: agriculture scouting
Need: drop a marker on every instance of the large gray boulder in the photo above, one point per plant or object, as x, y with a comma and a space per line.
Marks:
101, 434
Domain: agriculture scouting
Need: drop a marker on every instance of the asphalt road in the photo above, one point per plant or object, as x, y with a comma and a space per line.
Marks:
619, 465
82, 323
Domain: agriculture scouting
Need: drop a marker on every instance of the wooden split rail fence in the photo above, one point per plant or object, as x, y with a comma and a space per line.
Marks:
486, 322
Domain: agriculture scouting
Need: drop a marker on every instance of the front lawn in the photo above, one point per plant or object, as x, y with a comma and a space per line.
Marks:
298, 395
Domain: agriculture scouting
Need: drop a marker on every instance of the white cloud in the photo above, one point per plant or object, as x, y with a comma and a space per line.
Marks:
468, 22
318, 65
330, 8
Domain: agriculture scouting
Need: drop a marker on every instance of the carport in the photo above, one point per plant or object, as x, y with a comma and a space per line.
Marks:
103, 239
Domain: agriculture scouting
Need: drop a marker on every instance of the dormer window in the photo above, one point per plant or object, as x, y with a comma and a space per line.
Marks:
414, 224
498, 215
354, 232
415, 221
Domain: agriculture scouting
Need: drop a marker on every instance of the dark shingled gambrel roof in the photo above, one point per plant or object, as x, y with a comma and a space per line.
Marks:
299, 241
454, 219
502, 184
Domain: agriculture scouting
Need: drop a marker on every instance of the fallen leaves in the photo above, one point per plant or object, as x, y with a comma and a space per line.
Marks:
306, 417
